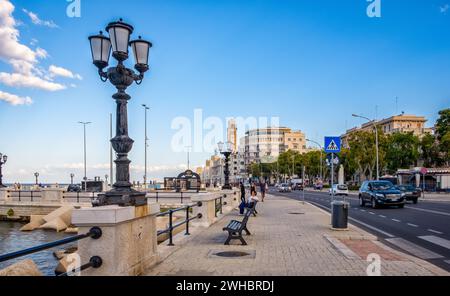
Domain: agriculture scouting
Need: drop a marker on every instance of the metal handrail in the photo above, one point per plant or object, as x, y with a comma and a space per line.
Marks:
94, 232
94, 262
158, 195
186, 221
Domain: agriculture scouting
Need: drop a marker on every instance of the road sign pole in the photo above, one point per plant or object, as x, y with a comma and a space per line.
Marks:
332, 176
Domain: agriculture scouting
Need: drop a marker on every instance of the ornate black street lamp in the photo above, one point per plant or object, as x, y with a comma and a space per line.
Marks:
3, 160
36, 175
225, 150
121, 77
71, 178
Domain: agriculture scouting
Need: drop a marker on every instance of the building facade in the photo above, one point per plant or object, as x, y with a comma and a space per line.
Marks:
402, 123
265, 145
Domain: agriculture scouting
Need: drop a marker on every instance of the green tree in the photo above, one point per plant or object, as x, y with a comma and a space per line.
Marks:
429, 150
402, 151
443, 124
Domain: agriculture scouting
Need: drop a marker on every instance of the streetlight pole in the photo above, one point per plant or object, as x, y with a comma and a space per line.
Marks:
85, 169
71, 178
36, 175
146, 145
321, 159
226, 151
376, 141
188, 149
121, 77
3, 160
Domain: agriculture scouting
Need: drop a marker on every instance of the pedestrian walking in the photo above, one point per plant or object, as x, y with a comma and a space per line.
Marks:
263, 188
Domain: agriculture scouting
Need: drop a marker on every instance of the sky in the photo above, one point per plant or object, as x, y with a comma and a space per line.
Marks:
310, 63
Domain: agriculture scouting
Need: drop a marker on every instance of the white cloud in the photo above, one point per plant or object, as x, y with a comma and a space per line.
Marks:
21, 80
24, 61
444, 8
14, 99
10, 47
59, 71
37, 21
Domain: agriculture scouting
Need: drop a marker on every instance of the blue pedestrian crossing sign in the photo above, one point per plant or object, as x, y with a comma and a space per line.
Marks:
332, 144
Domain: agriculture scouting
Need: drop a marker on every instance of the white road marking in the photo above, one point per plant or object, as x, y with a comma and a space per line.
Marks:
363, 210
372, 227
382, 216
372, 213
447, 261
429, 211
414, 249
436, 240
396, 220
435, 231
412, 225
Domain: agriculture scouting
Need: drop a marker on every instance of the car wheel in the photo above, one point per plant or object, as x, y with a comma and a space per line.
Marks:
415, 201
362, 203
401, 206
374, 203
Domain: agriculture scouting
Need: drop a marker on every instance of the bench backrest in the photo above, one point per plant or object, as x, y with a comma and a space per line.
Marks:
248, 213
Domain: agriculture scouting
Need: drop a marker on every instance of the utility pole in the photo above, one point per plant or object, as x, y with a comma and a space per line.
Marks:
146, 145
85, 169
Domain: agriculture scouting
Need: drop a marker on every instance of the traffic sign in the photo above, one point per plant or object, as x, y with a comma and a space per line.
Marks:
332, 144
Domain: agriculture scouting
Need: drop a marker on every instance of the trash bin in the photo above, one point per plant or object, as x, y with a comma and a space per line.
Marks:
339, 216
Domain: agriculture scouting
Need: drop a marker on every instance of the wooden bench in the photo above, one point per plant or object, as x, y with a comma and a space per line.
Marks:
235, 227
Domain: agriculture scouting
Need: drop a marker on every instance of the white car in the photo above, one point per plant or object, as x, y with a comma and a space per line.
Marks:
339, 189
284, 188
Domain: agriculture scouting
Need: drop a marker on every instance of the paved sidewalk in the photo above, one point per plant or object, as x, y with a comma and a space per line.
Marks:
288, 238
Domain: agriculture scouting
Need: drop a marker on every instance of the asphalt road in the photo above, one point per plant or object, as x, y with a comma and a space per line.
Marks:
422, 230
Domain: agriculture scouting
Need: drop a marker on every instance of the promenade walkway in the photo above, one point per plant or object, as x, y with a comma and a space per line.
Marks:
288, 238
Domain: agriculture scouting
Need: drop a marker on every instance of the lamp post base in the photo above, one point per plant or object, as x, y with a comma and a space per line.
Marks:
124, 198
227, 187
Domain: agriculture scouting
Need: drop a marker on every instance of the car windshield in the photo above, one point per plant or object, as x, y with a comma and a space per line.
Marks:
382, 185
406, 187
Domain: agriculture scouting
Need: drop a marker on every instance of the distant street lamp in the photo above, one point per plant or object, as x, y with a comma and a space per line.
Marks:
71, 178
146, 145
321, 159
121, 77
226, 150
3, 160
106, 180
376, 140
36, 175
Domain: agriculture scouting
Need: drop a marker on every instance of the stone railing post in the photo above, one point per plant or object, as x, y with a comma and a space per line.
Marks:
128, 245
4, 194
231, 198
208, 209
52, 195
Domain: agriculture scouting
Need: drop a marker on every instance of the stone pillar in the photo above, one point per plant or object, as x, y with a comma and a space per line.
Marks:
54, 195
231, 199
128, 245
4, 194
207, 209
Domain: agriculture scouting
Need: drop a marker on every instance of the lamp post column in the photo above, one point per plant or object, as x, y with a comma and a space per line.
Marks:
227, 170
2, 162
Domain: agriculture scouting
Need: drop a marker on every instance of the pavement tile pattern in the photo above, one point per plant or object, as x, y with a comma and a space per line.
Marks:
288, 238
